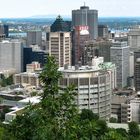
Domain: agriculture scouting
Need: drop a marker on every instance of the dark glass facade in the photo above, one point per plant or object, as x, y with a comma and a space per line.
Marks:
29, 56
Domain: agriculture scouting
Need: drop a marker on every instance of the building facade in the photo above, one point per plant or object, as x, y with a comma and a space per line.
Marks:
29, 56
86, 17
103, 31
79, 36
11, 55
134, 38
59, 46
99, 48
137, 70
119, 55
27, 79
34, 37
94, 86
134, 110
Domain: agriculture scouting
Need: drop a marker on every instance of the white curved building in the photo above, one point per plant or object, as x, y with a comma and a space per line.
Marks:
94, 86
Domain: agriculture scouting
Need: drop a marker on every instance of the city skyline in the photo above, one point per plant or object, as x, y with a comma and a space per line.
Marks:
26, 8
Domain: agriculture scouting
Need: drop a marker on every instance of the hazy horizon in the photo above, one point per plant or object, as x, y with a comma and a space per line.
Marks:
106, 8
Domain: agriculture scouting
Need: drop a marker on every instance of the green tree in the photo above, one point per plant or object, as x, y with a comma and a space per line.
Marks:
88, 114
113, 135
113, 120
122, 132
134, 130
6, 81
55, 117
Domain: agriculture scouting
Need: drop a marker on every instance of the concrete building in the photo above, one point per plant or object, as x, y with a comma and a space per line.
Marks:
34, 37
94, 85
134, 38
27, 79
137, 70
96, 48
119, 55
119, 107
59, 44
32, 67
134, 110
79, 36
11, 55
20, 106
86, 17
119, 104
103, 31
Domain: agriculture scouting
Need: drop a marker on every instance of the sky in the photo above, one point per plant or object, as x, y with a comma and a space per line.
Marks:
106, 8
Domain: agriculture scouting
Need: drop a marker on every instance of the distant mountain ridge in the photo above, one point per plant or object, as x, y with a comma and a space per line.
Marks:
49, 16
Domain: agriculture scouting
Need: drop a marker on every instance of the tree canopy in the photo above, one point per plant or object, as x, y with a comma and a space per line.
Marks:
57, 117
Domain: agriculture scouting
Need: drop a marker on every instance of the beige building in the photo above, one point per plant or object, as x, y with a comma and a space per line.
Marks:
59, 46
94, 86
27, 79
32, 67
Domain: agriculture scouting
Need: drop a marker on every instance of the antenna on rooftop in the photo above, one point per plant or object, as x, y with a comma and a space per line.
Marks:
84, 3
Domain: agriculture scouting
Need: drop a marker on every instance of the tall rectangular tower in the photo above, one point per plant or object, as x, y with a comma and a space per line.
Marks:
86, 17
120, 57
79, 36
11, 53
59, 44
134, 38
137, 70
34, 37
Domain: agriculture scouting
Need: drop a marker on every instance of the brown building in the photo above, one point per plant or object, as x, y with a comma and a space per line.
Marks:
79, 37
59, 46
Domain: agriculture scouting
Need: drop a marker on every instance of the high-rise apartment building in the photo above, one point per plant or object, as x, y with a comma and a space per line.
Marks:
59, 46
86, 17
134, 38
11, 53
94, 86
34, 37
120, 57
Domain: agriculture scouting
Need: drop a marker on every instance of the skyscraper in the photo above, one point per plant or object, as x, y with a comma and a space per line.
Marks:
34, 37
134, 38
79, 36
86, 17
103, 31
137, 70
59, 46
96, 48
120, 57
59, 42
61, 25
11, 55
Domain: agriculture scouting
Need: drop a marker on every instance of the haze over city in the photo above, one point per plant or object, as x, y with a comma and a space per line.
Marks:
106, 8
